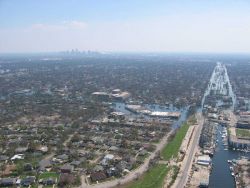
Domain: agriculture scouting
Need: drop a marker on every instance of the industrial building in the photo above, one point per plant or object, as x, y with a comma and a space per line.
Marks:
204, 160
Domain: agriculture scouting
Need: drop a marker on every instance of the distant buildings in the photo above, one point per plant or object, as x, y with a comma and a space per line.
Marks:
161, 114
243, 125
101, 96
239, 143
118, 95
243, 122
174, 115
115, 95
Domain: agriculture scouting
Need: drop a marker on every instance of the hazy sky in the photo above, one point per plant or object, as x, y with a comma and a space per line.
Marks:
125, 25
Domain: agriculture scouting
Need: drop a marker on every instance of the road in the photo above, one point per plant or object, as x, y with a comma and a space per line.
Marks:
133, 174
188, 160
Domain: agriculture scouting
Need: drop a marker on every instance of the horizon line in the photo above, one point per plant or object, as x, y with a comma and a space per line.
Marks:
123, 52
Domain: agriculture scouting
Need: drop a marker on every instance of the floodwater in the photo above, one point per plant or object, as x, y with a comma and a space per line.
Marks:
118, 106
220, 175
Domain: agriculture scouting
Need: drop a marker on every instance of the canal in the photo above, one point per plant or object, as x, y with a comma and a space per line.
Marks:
220, 176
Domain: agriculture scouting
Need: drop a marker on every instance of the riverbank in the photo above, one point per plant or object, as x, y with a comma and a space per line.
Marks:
241, 170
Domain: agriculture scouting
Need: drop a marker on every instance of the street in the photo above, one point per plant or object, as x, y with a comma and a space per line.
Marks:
188, 160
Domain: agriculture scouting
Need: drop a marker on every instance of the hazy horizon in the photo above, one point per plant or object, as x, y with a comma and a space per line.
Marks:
125, 26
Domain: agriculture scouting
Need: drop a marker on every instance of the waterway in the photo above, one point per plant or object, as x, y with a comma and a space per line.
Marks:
120, 107
220, 175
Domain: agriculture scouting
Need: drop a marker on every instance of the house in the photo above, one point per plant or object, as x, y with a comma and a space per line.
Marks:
48, 181
3, 158
109, 157
106, 159
18, 182
27, 167
28, 181
7, 182
44, 164
101, 96
120, 96
117, 116
21, 149
61, 158
67, 168
112, 172
98, 176
17, 157
113, 148
122, 165
76, 163
43, 149
142, 152
98, 168
66, 179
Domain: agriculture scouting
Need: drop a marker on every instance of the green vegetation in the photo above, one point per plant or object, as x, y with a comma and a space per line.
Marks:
172, 148
243, 133
48, 175
176, 170
154, 178
192, 120
142, 158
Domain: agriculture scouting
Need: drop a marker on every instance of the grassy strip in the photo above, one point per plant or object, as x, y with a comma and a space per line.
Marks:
49, 175
172, 148
243, 133
154, 178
